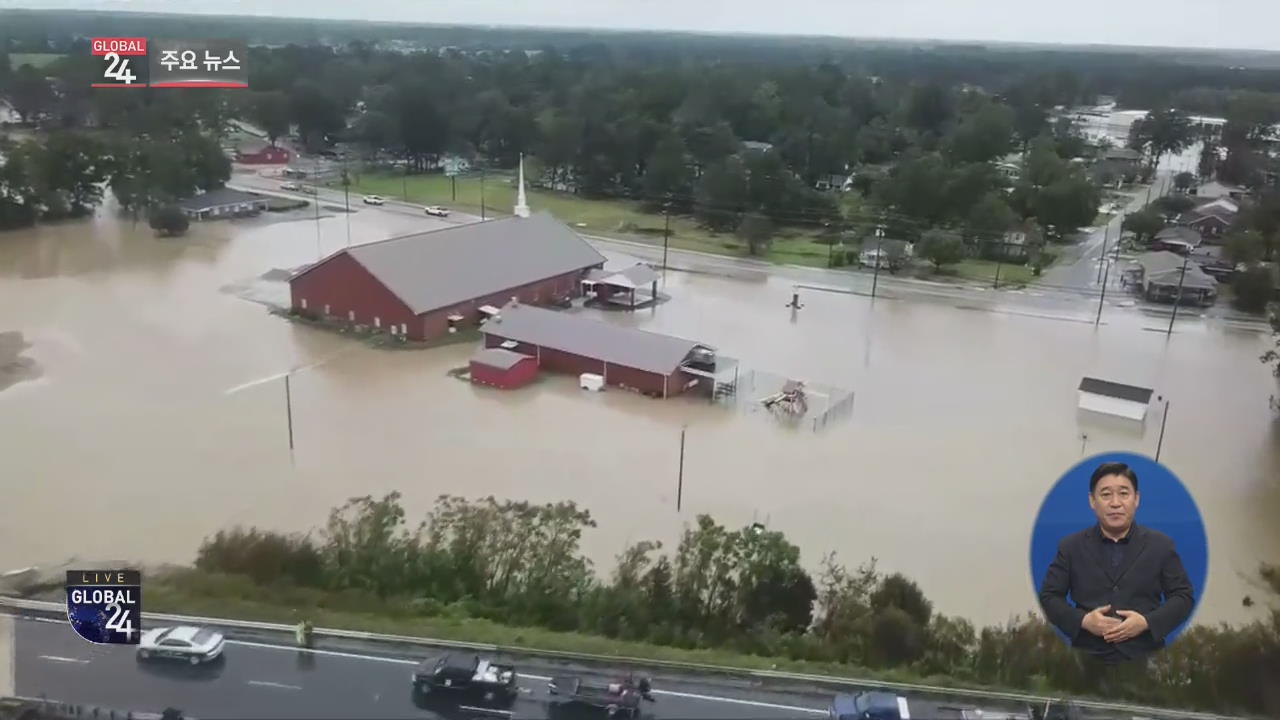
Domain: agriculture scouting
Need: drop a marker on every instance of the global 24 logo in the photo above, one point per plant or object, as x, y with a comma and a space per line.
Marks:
105, 606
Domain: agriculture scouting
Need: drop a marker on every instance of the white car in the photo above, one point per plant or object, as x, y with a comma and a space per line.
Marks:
184, 643
290, 186
435, 211
373, 200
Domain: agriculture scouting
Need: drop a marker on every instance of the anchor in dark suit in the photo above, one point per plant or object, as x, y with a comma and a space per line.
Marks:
1126, 584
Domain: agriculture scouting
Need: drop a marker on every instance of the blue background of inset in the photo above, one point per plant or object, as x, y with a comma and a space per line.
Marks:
1164, 504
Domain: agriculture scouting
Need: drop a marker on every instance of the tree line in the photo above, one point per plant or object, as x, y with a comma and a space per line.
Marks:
667, 130
747, 589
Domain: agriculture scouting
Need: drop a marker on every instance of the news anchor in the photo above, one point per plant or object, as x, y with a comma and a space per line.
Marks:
1127, 587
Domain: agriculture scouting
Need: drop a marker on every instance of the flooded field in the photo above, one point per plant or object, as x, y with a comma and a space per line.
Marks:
149, 412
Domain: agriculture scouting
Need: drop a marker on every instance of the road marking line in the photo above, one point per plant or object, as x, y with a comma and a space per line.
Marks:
59, 658
737, 701
267, 683
485, 710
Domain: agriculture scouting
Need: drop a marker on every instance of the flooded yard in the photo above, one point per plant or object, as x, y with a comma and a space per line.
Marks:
150, 412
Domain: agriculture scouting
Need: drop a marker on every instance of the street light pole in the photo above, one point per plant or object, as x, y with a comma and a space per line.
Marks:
1177, 299
482, 192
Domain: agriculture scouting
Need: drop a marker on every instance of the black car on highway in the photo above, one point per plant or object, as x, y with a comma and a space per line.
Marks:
467, 678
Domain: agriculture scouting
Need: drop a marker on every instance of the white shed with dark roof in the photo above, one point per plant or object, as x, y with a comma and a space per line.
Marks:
1113, 398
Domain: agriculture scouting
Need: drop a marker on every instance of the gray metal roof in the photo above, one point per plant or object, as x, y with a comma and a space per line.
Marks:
1132, 393
500, 358
436, 269
218, 198
1179, 233
1159, 261
591, 338
1195, 278
638, 275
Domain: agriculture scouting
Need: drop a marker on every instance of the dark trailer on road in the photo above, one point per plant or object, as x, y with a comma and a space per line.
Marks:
466, 677
573, 697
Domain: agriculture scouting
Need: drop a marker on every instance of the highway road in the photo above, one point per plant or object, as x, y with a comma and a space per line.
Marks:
267, 678
264, 676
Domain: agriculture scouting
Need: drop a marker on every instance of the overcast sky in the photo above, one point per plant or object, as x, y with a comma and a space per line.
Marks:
1190, 23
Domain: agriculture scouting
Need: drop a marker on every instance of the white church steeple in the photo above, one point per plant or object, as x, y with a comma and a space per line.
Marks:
522, 204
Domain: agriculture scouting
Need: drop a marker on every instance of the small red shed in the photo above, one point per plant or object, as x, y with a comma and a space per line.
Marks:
267, 155
503, 368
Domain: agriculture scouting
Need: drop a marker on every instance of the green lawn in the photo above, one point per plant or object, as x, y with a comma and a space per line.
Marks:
627, 219
985, 270
36, 60
617, 218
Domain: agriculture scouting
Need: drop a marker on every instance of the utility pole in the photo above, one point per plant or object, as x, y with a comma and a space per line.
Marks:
1163, 421
1106, 235
1178, 298
453, 186
404, 182
315, 200
875, 277
288, 411
995, 285
666, 230
482, 192
680, 476
346, 195
1106, 275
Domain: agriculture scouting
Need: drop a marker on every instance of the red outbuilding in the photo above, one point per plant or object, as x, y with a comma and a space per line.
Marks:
266, 155
650, 363
503, 368
429, 284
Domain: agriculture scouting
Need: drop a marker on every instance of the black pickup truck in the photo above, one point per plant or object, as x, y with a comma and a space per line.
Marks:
468, 678
573, 697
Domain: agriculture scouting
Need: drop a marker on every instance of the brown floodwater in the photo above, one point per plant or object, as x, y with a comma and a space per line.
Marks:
150, 412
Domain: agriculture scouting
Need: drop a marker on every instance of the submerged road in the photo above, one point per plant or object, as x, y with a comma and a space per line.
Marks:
1054, 299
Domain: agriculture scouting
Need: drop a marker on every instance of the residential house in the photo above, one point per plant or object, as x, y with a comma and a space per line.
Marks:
1010, 166
1159, 277
1211, 220
841, 183
1176, 238
222, 202
884, 252
1214, 190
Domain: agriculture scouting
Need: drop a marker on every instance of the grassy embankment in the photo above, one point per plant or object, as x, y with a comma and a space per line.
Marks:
201, 594
626, 219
